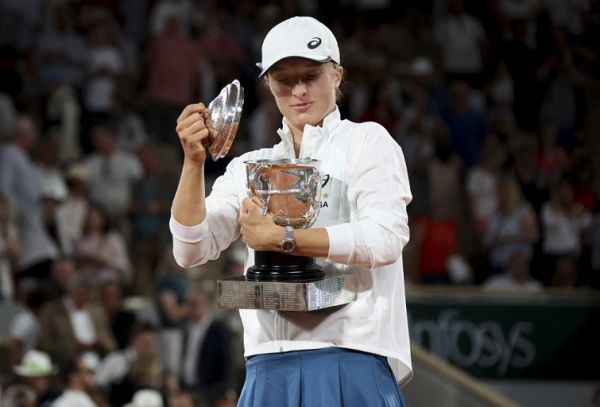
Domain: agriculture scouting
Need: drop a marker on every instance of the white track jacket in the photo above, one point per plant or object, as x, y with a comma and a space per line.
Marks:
363, 208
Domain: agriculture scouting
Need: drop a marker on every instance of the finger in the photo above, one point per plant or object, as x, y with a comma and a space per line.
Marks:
246, 204
257, 202
196, 127
254, 207
192, 108
195, 140
190, 120
243, 213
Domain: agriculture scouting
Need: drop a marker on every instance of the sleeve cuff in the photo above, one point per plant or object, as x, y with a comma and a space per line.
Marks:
187, 234
341, 243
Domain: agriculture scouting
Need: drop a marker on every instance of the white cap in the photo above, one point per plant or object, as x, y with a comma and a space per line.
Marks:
146, 398
303, 37
35, 363
54, 188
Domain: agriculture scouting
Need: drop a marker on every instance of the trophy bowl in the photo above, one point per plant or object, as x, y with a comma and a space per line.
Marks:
223, 118
289, 189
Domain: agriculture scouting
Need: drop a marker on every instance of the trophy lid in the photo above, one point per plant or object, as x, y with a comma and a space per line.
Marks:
282, 162
223, 119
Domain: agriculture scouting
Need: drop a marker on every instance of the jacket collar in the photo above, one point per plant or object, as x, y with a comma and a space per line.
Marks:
311, 136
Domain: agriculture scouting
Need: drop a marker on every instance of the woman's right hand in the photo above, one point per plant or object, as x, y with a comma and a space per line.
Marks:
192, 131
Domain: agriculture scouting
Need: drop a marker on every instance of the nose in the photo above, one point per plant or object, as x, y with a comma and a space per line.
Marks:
299, 89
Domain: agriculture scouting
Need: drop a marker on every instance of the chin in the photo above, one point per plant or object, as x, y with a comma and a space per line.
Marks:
305, 119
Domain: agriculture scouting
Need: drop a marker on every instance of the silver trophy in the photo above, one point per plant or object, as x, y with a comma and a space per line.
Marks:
290, 191
223, 118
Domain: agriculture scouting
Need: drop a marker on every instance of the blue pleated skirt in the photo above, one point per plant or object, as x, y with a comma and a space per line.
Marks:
326, 377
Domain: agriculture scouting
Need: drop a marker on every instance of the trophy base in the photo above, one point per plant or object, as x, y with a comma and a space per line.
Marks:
333, 290
273, 266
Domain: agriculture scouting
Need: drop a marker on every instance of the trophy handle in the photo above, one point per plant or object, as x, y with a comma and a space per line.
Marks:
314, 184
257, 171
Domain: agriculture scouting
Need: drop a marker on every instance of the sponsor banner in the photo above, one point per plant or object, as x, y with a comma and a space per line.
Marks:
535, 339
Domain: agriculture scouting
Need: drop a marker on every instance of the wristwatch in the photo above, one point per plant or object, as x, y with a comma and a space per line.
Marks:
288, 244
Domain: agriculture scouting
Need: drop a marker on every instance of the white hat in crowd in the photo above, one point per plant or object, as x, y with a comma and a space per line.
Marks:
146, 398
35, 364
303, 37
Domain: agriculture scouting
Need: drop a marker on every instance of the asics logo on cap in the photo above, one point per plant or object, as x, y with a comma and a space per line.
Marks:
314, 43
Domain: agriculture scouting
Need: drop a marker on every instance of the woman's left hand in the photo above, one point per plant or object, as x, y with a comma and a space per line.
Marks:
259, 231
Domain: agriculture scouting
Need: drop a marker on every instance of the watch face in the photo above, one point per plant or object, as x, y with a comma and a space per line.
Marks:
287, 246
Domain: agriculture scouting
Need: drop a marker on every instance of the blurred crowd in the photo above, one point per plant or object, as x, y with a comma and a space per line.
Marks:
495, 104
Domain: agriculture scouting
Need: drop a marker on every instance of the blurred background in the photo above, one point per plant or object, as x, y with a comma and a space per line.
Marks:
495, 103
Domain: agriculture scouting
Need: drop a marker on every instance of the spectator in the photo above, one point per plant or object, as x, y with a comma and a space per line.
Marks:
559, 100
170, 291
19, 395
19, 182
461, 39
524, 12
582, 181
481, 185
468, 127
207, 347
80, 389
144, 374
173, 66
74, 208
223, 397
60, 47
135, 20
444, 172
62, 115
165, 11
105, 65
566, 273
101, 251
21, 22
514, 227
8, 116
24, 329
35, 371
552, 158
120, 320
54, 193
111, 174
146, 398
10, 248
419, 121
523, 60
131, 129
563, 223
528, 174
501, 92
180, 399
516, 278
151, 209
568, 18
116, 366
222, 49
384, 107
74, 324
63, 274
437, 238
